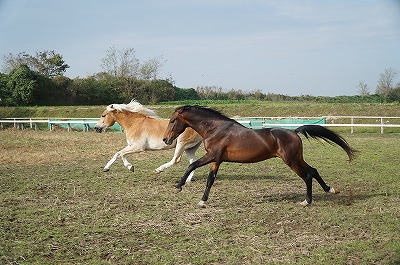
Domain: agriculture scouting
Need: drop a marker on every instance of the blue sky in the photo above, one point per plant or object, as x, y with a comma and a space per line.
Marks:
292, 47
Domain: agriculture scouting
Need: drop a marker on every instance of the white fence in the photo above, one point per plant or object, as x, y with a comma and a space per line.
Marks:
332, 121
20, 123
335, 121
33, 123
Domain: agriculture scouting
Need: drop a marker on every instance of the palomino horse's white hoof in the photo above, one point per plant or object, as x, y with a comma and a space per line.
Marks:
304, 203
106, 169
131, 168
202, 204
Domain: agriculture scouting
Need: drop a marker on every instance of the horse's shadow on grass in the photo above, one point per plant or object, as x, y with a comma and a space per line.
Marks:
344, 197
248, 176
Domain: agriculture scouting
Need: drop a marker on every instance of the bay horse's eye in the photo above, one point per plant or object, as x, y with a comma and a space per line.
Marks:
103, 115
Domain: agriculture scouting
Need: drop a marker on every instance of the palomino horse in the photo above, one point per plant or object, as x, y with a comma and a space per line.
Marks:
227, 140
144, 131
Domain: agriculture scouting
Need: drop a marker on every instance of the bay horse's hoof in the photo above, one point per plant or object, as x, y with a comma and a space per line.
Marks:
106, 169
202, 204
304, 203
332, 190
131, 168
178, 189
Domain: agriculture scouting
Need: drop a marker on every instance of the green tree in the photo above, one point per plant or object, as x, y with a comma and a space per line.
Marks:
95, 90
60, 91
394, 94
47, 63
186, 94
5, 94
22, 85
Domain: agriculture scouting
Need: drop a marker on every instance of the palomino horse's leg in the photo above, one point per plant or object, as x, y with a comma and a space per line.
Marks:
210, 181
112, 160
192, 157
177, 156
122, 153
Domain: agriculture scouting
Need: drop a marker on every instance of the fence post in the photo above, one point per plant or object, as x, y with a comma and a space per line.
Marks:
352, 127
382, 125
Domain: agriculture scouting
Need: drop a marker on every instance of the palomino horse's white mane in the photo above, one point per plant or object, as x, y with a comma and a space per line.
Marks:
133, 106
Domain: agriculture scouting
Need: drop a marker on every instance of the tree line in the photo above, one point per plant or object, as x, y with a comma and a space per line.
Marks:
39, 79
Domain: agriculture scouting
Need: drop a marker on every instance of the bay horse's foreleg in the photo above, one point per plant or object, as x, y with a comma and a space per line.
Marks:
206, 159
210, 181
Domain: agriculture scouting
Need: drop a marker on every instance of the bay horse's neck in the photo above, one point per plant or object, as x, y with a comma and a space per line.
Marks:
202, 124
126, 119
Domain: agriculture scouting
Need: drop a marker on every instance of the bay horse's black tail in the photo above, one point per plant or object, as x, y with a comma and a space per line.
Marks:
316, 131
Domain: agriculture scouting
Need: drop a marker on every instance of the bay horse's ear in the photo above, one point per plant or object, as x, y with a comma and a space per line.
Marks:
181, 109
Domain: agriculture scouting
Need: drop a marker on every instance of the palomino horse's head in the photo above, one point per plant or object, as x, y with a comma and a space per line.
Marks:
107, 119
176, 126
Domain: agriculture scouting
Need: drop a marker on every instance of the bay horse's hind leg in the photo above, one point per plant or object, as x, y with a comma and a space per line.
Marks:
307, 176
307, 173
291, 152
321, 182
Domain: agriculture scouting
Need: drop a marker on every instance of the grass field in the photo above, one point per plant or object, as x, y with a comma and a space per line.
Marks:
58, 207
230, 108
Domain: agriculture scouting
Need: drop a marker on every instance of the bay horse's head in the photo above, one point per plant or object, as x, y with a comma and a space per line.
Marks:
107, 119
176, 125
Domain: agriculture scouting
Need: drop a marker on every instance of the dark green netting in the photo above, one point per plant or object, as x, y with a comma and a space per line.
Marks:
257, 123
79, 124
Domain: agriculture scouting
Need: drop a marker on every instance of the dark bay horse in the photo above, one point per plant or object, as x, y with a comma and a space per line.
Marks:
227, 140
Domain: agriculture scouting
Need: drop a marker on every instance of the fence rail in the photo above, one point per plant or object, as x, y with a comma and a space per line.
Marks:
331, 121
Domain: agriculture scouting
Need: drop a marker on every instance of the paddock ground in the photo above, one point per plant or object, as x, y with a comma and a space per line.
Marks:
58, 207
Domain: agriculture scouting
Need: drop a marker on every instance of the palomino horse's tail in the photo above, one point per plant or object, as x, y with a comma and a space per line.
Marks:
316, 131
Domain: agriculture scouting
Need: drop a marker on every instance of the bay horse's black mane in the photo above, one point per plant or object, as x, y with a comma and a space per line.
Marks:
209, 112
